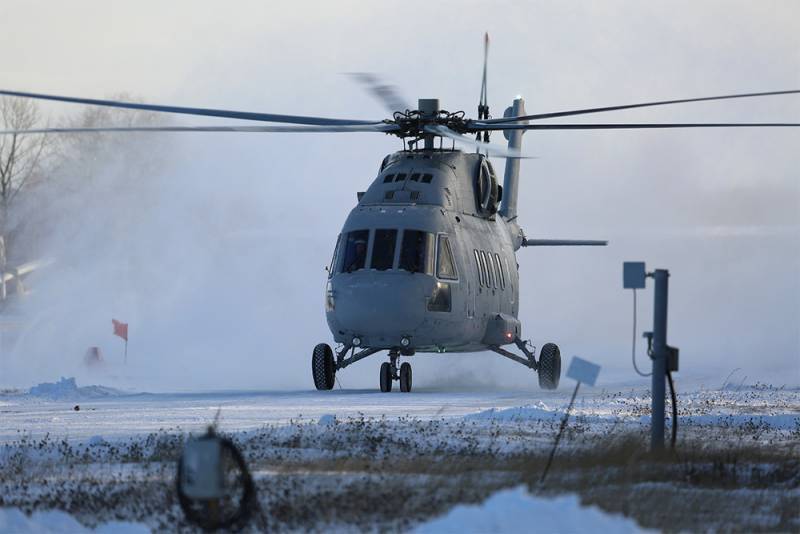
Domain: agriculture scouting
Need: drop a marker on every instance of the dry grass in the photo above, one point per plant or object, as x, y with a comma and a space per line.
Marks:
366, 474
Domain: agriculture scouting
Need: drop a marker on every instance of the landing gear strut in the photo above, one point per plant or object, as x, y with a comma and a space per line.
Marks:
548, 367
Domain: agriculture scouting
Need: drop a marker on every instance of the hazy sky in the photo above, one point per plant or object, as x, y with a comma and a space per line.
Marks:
224, 255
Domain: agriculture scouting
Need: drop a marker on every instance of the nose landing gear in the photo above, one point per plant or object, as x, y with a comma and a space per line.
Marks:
405, 377
390, 373
386, 377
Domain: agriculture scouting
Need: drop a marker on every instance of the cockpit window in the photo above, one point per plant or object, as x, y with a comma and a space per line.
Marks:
383, 249
355, 251
416, 252
336, 253
445, 265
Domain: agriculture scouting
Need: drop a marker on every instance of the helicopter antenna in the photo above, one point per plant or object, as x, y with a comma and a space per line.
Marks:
483, 104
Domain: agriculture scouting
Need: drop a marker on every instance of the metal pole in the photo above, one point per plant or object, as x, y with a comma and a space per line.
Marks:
659, 358
560, 431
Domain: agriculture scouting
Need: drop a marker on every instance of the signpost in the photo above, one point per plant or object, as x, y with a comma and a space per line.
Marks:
582, 371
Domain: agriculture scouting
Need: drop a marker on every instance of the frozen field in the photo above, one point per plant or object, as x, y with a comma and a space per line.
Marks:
115, 414
362, 459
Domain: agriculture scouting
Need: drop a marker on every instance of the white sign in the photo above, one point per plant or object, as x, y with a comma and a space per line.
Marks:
583, 371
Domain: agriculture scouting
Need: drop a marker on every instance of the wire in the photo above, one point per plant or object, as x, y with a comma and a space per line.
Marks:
674, 410
633, 342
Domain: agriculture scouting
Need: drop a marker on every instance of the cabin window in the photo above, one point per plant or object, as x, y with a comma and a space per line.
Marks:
488, 263
414, 177
484, 274
336, 253
383, 249
416, 252
388, 178
498, 265
400, 177
478, 267
426, 178
445, 264
355, 251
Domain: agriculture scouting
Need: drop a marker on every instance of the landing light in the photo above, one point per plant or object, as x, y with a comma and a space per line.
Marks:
509, 336
356, 341
405, 342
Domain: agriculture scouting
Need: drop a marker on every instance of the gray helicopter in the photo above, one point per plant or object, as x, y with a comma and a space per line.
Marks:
426, 261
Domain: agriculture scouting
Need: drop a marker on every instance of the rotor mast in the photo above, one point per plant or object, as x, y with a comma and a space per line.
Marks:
429, 109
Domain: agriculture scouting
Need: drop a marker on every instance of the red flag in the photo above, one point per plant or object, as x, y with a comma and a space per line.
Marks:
120, 329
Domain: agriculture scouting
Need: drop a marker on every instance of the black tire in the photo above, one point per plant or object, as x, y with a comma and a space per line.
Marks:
549, 366
386, 377
405, 377
322, 367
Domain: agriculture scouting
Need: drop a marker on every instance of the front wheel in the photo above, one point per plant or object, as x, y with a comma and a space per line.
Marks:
322, 367
549, 366
386, 377
405, 377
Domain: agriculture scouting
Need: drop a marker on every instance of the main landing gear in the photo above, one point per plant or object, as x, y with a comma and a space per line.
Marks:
324, 365
548, 367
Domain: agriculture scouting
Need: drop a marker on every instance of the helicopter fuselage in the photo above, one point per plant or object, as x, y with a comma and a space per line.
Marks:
424, 263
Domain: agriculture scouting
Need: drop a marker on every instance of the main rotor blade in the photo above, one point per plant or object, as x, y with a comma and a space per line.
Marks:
384, 128
628, 126
631, 106
564, 243
246, 115
495, 150
387, 94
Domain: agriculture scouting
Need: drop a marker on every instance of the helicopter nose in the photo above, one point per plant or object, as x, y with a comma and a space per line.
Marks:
381, 304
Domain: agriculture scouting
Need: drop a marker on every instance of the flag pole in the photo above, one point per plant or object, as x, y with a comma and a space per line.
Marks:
126, 352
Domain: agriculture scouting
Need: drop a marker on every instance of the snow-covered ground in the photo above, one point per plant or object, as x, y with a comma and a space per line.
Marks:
516, 510
120, 414
50, 409
13, 520
399, 460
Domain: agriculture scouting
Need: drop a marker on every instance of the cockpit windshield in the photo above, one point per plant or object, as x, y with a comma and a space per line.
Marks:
416, 252
355, 251
383, 249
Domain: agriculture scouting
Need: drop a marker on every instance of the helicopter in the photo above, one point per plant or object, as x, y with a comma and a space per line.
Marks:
426, 261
